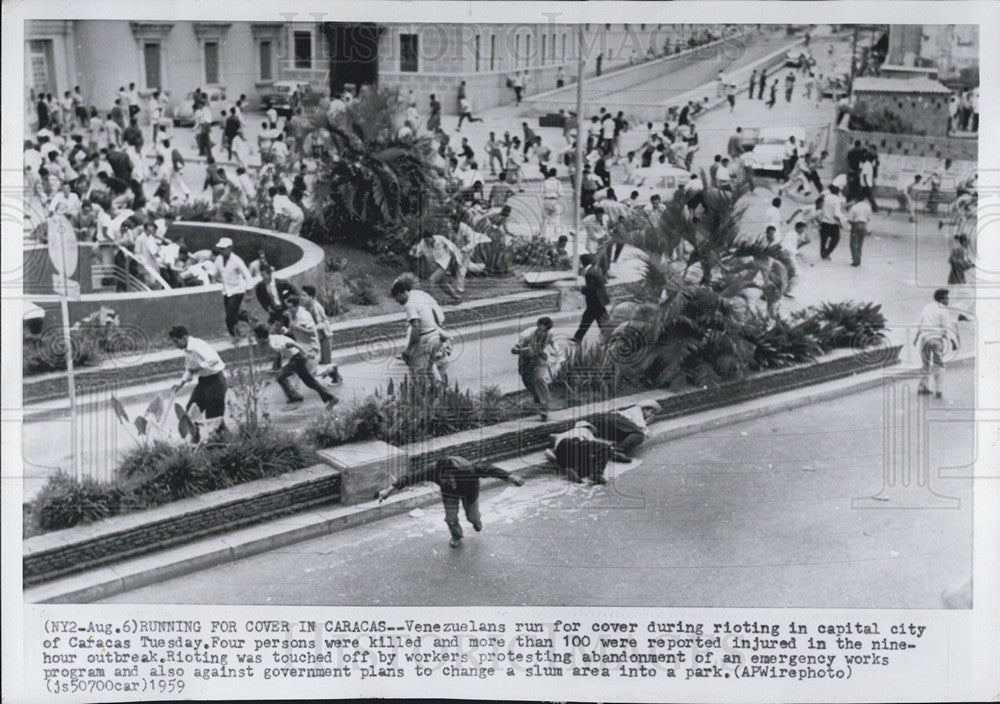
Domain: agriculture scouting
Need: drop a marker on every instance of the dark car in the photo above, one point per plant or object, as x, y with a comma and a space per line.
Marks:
279, 96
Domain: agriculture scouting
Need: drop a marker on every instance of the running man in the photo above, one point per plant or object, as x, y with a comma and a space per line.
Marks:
426, 344
294, 360
937, 330
201, 360
459, 482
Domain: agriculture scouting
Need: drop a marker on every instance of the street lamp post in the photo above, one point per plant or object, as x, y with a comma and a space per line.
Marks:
854, 49
578, 165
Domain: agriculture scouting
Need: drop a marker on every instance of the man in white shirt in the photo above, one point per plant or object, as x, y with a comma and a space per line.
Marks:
439, 253
294, 360
936, 332
551, 193
235, 278
859, 214
302, 327
772, 218
723, 177
201, 360
580, 454
595, 228
286, 207
65, 202
147, 246
426, 346
831, 219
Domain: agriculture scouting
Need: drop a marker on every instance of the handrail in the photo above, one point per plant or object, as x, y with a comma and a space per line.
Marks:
148, 269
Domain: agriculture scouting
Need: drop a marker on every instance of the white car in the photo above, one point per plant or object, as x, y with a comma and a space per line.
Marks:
661, 179
183, 113
768, 155
795, 57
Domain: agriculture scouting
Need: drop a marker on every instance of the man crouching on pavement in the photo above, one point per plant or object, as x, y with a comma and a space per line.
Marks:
627, 428
459, 482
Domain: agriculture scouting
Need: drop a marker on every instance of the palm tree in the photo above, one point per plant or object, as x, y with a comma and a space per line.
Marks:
697, 327
375, 175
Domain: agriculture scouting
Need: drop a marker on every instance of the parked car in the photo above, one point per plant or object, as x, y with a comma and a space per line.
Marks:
661, 179
795, 57
279, 96
183, 112
768, 155
835, 86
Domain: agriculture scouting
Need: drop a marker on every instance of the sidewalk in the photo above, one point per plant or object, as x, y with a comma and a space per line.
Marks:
159, 567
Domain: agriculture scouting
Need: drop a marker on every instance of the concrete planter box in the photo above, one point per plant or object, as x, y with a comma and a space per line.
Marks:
364, 468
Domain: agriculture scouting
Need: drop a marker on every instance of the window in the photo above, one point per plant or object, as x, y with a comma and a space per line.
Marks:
493, 50
543, 48
408, 56
212, 63
642, 27
151, 60
552, 48
607, 26
266, 66
517, 51
42, 66
527, 51
303, 49
478, 50
563, 50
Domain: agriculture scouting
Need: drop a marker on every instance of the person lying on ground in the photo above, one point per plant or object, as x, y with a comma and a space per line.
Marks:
580, 454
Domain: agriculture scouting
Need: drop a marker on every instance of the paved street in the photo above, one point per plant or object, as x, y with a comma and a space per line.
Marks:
755, 514
903, 263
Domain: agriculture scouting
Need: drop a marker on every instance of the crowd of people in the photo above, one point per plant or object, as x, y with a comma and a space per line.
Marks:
121, 187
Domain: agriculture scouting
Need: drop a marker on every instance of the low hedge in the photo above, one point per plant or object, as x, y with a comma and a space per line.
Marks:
156, 473
161, 472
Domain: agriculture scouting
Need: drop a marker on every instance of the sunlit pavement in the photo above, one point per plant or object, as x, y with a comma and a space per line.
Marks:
775, 512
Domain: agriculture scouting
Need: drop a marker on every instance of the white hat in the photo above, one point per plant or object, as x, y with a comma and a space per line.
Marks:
584, 424
224, 242
650, 404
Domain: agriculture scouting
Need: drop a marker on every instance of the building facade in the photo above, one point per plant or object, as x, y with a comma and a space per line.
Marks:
102, 55
247, 57
949, 48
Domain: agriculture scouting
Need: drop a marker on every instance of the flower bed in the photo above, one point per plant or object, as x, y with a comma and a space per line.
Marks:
60, 553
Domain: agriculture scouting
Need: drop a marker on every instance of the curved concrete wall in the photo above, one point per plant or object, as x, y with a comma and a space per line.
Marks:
151, 314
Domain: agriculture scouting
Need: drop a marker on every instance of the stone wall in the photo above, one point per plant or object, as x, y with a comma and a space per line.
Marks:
53, 555
927, 112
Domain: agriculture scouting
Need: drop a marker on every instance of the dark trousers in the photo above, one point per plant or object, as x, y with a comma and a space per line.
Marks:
867, 193
468, 498
537, 386
232, 305
760, 91
517, 94
829, 236
858, 232
590, 315
694, 201
297, 365
626, 435
750, 94
619, 246
210, 395
467, 116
